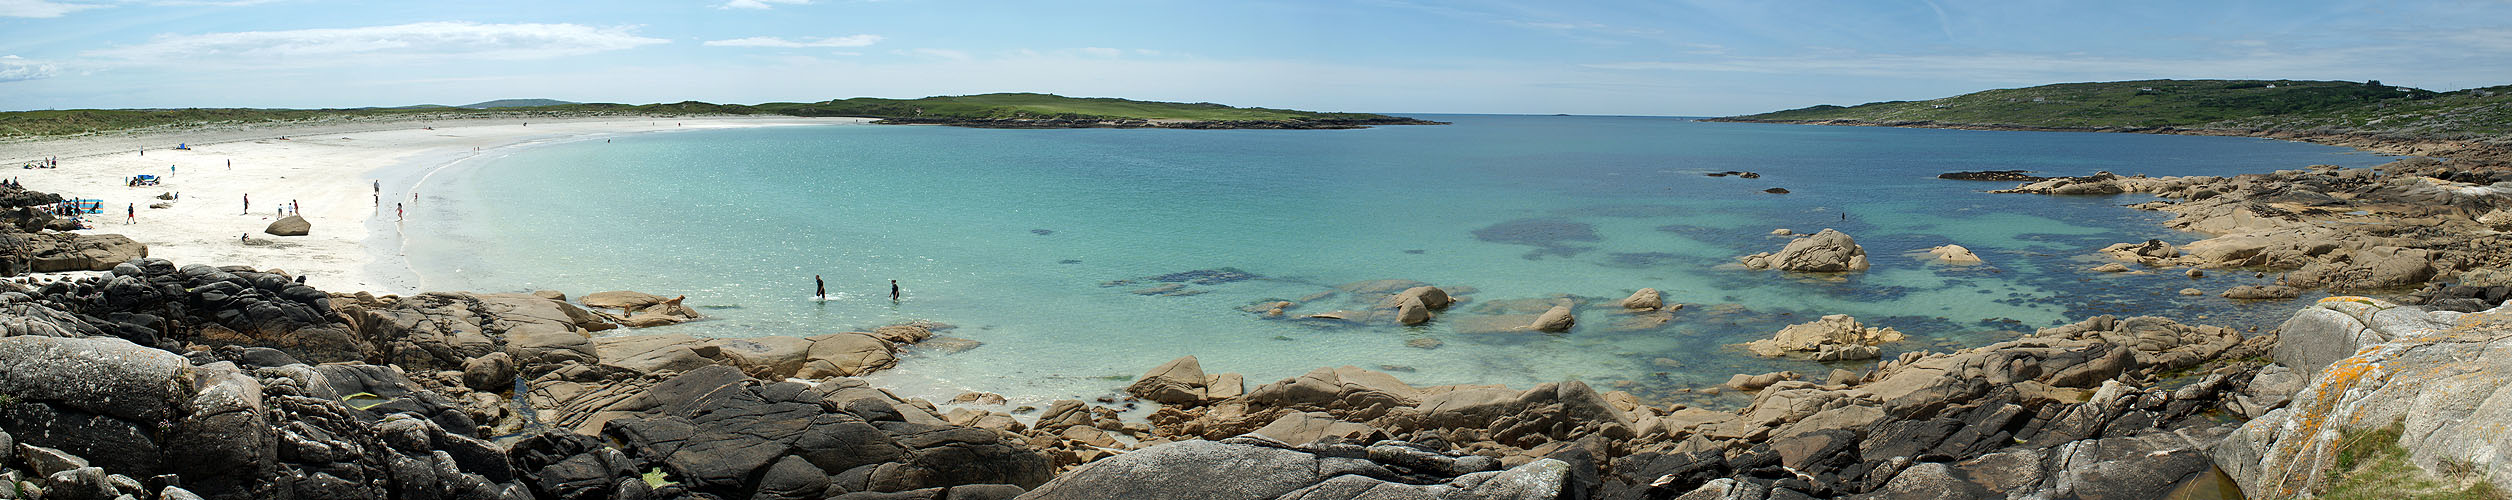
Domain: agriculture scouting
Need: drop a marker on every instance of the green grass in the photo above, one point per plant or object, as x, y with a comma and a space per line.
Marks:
656, 478
2371, 465
49, 123
2278, 105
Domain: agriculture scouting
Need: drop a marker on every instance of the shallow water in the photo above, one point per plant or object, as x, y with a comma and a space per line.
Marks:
1014, 235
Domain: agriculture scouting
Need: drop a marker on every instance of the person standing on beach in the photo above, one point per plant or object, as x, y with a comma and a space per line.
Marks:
399, 215
823, 288
894, 290
131, 214
248, 203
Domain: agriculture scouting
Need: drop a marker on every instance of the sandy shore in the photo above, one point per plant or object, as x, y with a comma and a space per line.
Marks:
333, 171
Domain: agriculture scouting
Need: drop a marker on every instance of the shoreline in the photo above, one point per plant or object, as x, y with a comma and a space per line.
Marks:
2150, 394
319, 167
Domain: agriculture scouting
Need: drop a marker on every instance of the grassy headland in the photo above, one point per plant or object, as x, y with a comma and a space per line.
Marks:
2367, 114
985, 110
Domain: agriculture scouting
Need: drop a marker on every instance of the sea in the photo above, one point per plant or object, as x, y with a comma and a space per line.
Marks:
1069, 262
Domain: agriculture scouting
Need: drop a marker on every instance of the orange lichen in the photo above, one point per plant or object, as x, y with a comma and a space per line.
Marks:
2349, 298
2312, 418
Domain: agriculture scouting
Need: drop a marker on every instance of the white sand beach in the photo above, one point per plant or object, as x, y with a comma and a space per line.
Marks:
332, 171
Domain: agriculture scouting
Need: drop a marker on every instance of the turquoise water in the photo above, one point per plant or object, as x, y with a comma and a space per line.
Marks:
1014, 236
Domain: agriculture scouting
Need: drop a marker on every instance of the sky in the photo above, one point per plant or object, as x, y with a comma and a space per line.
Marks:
1661, 57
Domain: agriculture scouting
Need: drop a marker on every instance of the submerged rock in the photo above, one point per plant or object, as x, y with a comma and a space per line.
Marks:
2262, 292
1955, 254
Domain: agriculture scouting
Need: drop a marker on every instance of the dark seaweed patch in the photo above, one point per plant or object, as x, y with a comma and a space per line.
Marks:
1551, 237
1642, 259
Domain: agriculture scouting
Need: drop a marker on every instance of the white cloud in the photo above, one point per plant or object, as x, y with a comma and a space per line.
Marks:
214, 3
759, 4
381, 44
42, 8
948, 54
769, 41
14, 68
1099, 51
54, 8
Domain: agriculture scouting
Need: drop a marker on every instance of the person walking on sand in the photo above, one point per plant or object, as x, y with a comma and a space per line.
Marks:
823, 288
248, 203
399, 215
131, 213
894, 290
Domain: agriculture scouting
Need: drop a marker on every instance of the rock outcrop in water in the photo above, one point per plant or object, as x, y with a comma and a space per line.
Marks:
1823, 252
2401, 225
1835, 337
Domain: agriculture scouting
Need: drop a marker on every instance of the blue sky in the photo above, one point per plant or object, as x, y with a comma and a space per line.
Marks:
1460, 56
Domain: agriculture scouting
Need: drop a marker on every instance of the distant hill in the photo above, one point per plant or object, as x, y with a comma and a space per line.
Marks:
987, 110
2248, 107
514, 103
1017, 106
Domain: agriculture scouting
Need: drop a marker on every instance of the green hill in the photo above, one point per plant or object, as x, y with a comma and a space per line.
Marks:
987, 110
514, 103
2225, 106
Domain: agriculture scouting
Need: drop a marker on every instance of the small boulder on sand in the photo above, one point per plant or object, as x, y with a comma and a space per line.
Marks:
290, 226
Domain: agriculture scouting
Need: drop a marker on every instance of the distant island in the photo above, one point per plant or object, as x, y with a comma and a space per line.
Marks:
2466, 123
1024, 110
1002, 110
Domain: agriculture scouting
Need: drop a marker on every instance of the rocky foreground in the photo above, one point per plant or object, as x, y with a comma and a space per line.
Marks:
160, 381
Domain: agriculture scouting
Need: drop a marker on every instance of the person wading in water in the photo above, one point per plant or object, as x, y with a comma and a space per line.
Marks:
823, 287
894, 290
